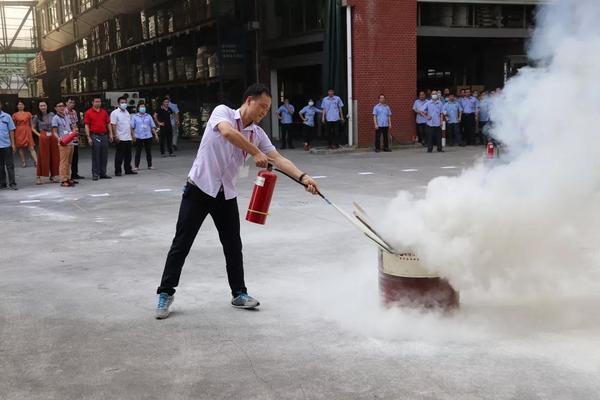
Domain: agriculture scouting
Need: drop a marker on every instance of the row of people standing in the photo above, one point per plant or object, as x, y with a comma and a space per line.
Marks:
332, 117
462, 120
54, 159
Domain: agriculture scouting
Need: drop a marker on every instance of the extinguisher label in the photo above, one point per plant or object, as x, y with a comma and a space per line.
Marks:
260, 181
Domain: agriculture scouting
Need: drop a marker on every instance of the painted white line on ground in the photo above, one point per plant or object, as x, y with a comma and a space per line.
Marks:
100, 195
410, 170
162, 190
29, 201
366, 173
319, 177
449, 167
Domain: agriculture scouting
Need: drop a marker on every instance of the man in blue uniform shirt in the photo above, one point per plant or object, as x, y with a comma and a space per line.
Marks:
421, 121
382, 118
470, 106
7, 149
452, 111
332, 117
433, 115
285, 113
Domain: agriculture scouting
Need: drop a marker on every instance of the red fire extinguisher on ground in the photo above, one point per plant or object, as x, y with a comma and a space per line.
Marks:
490, 149
264, 186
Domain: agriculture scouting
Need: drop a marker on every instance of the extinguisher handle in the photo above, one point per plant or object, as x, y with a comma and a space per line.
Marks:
269, 167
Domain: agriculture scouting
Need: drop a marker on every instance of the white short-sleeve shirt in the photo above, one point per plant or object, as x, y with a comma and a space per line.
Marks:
122, 120
218, 161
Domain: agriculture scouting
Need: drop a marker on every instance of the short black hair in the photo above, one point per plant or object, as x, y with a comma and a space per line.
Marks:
141, 103
256, 90
58, 102
381, 94
97, 97
71, 98
121, 98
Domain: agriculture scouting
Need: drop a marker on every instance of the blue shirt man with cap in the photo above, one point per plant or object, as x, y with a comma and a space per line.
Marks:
382, 118
7, 149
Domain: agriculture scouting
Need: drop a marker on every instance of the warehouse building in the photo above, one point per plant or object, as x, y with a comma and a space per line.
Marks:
204, 52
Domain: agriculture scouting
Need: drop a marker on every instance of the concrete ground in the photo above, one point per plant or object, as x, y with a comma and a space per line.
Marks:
80, 267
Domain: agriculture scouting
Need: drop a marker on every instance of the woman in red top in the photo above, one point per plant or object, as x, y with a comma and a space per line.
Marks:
24, 133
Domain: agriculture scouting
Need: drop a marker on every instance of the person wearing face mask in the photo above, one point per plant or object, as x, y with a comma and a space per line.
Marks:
433, 114
121, 125
229, 139
144, 130
308, 122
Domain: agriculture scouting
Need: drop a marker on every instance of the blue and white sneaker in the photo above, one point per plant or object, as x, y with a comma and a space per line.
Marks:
243, 300
162, 308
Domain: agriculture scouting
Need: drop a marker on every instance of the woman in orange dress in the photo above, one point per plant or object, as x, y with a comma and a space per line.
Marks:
24, 133
48, 155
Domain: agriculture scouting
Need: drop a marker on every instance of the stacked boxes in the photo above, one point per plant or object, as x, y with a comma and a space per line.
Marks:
213, 66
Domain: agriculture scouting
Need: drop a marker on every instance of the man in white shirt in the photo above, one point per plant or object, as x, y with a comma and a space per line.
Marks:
121, 125
230, 137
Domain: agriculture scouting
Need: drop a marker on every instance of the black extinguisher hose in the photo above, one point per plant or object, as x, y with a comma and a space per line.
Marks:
270, 167
369, 233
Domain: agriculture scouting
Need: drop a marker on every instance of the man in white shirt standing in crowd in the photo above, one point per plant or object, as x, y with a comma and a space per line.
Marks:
230, 137
121, 125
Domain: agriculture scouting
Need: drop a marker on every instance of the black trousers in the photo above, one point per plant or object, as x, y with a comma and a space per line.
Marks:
7, 165
75, 162
333, 131
422, 133
434, 135
99, 154
286, 136
123, 156
382, 130
454, 134
195, 206
146, 144
468, 122
166, 140
308, 133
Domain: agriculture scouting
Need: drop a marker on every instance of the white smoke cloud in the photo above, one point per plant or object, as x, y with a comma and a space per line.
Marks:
531, 222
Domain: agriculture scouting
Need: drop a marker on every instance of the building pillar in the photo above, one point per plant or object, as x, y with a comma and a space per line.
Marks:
384, 41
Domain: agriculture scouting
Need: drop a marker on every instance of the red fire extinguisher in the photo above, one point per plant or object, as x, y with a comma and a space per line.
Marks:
264, 185
490, 149
65, 140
